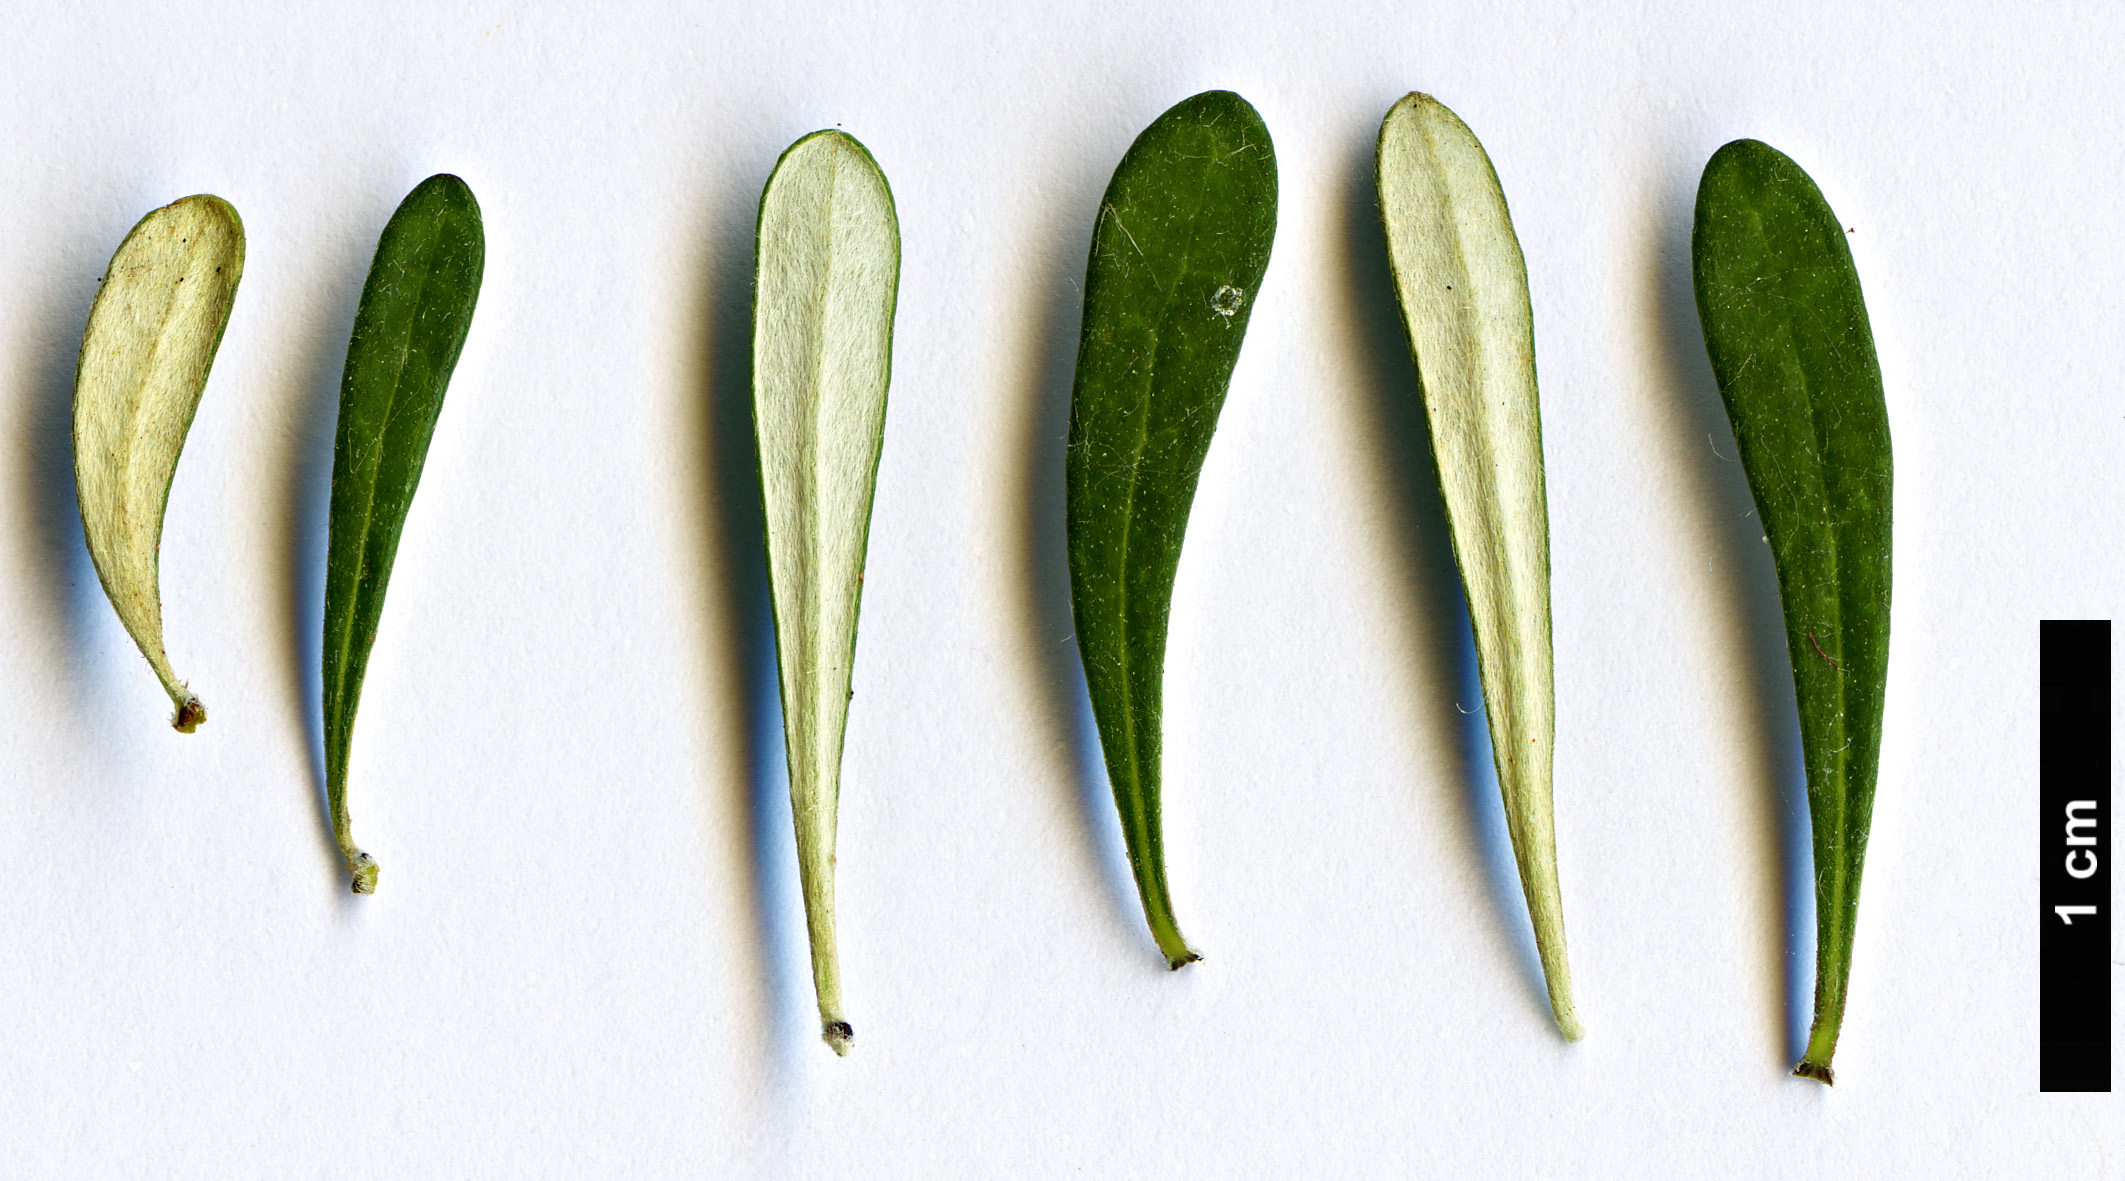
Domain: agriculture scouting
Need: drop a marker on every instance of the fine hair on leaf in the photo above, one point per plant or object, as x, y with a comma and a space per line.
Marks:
1793, 354
1462, 284
151, 338
1179, 249
827, 276
415, 310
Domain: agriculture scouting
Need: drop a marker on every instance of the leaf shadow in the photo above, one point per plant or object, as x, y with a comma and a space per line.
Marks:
719, 426
1442, 633
306, 498
1043, 575
72, 595
1746, 582
54, 508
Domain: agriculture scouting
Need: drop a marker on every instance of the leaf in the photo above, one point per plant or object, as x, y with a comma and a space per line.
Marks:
415, 310
1462, 284
1794, 358
828, 270
151, 338
1178, 254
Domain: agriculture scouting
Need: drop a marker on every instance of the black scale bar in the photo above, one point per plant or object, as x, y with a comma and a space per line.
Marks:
2075, 847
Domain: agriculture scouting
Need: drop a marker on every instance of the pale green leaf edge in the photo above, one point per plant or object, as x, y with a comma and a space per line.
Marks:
826, 283
1462, 284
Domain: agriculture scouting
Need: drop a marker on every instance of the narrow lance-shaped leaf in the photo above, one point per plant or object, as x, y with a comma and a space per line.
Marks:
1794, 357
1462, 284
1178, 256
415, 310
151, 338
828, 270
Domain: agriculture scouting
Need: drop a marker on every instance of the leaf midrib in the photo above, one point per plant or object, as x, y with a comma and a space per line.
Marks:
1831, 566
361, 596
1136, 477
808, 504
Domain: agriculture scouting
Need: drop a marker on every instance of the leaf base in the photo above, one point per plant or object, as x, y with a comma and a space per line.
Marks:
190, 713
840, 1035
1819, 1071
364, 867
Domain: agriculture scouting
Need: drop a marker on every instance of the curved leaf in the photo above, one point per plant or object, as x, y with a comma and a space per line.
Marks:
1178, 256
1794, 357
828, 270
151, 338
1462, 284
415, 310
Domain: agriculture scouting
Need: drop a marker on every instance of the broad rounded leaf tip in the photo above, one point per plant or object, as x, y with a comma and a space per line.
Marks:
443, 188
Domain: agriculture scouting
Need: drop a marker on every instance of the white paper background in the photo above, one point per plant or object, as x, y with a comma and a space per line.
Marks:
586, 958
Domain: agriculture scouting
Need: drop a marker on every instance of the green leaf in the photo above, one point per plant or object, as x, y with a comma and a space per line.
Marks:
415, 310
1794, 357
1462, 284
1178, 255
827, 274
151, 338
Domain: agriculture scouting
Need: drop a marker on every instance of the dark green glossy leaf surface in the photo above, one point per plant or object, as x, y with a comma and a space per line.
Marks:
415, 310
1794, 357
1177, 259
